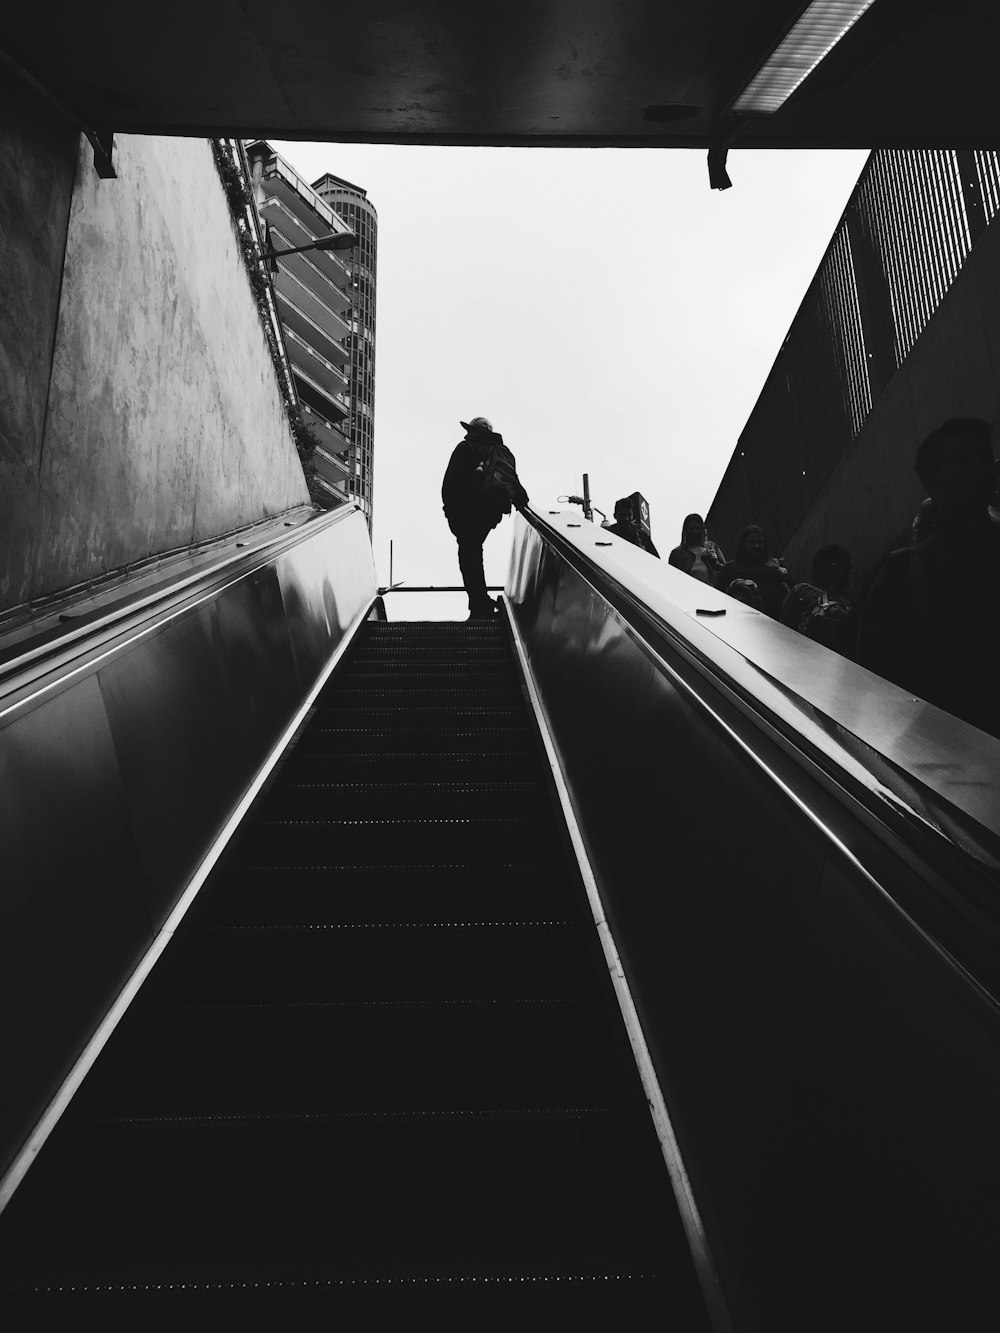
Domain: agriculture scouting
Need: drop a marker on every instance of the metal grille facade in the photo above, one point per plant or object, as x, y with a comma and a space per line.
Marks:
904, 236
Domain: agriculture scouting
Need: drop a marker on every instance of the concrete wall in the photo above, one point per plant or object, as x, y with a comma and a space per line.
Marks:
164, 423
38, 157
953, 370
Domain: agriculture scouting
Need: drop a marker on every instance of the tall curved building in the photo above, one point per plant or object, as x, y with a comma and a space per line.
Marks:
352, 204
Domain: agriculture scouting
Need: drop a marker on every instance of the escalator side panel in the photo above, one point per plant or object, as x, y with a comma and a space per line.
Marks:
834, 1089
119, 776
321, 598
63, 803
194, 708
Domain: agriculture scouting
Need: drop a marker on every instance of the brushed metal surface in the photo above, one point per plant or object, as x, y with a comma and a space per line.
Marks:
699, 1244
121, 766
815, 991
795, 678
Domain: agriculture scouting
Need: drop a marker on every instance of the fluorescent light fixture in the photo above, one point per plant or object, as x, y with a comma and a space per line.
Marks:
808, 41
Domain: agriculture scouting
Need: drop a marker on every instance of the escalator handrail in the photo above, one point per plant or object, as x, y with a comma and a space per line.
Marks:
881, 782
48, 657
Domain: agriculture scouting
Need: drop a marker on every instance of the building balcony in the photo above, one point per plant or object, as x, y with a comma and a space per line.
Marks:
333, 409
330, 493
279, 181
324, 433
304, 269
330, 466
305, 360
287, 232
292, 318
308, 303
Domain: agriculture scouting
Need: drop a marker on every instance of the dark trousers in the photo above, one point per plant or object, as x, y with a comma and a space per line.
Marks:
471, 530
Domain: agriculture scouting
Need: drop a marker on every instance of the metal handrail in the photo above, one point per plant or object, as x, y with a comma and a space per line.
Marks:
87, 631
835, 746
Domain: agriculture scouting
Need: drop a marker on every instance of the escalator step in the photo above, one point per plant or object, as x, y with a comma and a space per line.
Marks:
425, 678
444, 765
443, 1055
459, 700
470, 738
490, 960
463, 657
436, 631
292, 1184
428, 799
556, 1299
388, 657
467, 668
314, 895
447, 718
398, 841
406, 1267
460, 628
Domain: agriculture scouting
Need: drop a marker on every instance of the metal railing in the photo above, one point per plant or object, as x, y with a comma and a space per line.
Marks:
905, 235
277, 168
248, 223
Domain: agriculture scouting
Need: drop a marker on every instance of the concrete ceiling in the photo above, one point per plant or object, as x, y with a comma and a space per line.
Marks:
912, 73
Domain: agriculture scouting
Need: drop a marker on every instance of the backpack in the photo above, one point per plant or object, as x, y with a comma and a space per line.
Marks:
824, 621
500, 477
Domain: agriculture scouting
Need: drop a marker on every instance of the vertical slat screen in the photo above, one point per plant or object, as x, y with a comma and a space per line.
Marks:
868, 304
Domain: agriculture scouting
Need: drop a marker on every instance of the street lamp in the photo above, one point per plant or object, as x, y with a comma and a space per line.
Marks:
339, 240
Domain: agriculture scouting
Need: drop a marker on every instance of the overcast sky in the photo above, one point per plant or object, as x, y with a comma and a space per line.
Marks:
605, 309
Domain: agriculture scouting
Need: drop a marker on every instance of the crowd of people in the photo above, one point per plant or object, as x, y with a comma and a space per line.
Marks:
925, 619
820, 608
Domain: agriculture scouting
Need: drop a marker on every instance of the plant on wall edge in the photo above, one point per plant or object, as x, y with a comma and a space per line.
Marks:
238, 195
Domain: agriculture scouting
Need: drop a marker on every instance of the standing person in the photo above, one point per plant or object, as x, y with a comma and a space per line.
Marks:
931, 618
696, 555
629, 529
473, 507
753, 562
822, 610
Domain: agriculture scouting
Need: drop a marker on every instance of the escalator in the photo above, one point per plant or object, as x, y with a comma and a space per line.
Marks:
379, 1079
330, 950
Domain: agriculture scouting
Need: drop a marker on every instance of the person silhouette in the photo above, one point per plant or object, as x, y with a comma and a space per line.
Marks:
696, 555
473, 510
753, 562
930, 621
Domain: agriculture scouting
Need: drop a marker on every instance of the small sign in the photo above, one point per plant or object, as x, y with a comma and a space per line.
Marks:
640, 511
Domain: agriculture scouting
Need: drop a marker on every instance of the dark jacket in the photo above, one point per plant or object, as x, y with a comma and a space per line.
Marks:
772, 580
462, 488
468, 504
636, 535
930, 622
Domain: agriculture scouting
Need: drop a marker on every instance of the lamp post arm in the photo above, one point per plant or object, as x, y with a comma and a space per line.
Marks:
296, 250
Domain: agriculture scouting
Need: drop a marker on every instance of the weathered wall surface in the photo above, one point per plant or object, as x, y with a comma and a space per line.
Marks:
164, 423
952, 371
38, 157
